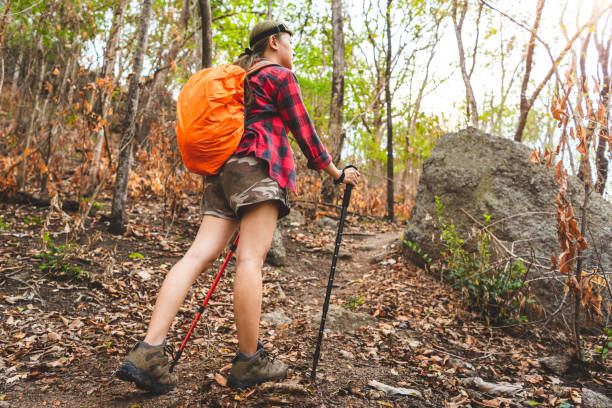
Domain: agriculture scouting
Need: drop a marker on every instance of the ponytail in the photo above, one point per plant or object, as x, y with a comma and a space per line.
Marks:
246, 59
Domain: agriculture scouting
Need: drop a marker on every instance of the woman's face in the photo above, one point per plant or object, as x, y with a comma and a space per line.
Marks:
284, 50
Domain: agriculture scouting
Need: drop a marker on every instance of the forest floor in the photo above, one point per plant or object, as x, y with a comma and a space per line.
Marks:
61, 339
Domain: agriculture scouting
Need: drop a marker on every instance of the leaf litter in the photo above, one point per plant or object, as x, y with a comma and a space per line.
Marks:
63, 350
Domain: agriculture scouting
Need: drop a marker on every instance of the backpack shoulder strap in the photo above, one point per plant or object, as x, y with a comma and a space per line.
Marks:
260, 65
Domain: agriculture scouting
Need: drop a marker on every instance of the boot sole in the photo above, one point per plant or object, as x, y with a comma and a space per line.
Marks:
129, 372
233, 382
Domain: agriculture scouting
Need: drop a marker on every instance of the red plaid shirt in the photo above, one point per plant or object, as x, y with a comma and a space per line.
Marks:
277, 108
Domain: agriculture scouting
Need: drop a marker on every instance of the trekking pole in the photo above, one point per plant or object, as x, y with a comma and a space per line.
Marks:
345, 203
208, 295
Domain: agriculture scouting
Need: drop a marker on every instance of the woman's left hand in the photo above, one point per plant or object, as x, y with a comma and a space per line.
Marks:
351, 176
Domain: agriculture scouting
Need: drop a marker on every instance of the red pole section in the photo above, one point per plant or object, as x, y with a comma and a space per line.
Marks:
208, 295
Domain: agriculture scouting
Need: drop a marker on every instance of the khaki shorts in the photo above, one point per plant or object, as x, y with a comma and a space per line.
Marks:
242, 181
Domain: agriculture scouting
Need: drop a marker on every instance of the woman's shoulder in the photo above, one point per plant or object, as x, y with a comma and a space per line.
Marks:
279, 72
273, 70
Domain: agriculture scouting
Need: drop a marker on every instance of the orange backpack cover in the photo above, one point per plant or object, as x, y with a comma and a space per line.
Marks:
210, 117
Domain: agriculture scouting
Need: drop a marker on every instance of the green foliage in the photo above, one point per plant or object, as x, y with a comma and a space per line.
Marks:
32, 221
3, 225
96, 205
490, 285
418, 250
55, 261
136, 255
604, 350
353, 301
426, 133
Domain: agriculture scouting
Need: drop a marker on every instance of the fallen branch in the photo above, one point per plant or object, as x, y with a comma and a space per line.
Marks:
491, 388
34, 290
284, 387
387, 389
499, 242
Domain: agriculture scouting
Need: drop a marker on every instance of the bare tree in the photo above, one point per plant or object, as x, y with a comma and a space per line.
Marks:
336, 132
105, 90
124, 163
2, 29
461, 7
555, 61
206, 16
36, 114
603, 112
155, 93
525, 106
390, 190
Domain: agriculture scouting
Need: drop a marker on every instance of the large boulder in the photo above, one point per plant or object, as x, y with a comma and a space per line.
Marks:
277, 253
480, 174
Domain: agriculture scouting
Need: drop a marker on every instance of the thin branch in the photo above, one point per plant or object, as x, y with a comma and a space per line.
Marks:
25, 10
498, 241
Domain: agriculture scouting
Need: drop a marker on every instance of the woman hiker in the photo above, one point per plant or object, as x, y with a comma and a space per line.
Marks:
249, 192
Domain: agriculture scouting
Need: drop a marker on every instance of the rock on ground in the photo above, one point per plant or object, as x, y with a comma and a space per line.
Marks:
481, 174
277, 253
343, 253
326, 223
293, 219
341, 320
592, 399
276, 318
557, 364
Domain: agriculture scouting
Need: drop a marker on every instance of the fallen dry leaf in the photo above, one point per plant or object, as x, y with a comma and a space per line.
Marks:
221, 380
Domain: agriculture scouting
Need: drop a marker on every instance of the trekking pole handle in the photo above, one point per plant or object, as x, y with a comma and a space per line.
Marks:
341, 178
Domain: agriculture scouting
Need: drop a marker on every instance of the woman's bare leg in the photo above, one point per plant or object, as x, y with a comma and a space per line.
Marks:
213, 235
256, 230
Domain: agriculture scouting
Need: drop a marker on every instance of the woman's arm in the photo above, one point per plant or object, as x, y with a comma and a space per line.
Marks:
294, 115
351, 175
332, 170
295, 118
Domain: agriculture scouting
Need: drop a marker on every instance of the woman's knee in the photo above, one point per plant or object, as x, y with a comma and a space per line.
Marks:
251, 256
198, 262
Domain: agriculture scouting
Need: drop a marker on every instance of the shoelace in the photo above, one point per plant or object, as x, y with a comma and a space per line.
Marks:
169, 350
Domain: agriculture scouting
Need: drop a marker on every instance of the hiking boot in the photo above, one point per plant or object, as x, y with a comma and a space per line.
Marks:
147, 366
249, 371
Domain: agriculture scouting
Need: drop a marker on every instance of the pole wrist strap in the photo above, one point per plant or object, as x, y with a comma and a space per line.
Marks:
341, 178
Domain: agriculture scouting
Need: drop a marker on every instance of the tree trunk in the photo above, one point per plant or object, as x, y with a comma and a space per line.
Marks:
185, 14
118, 214
155, 97
412, 119
29, 70
2, 30
458, 24
206, 17
390, 193
584, 169
21, 175
336, 132
104, 95
524, 107
17, 70
55, 124
601, 161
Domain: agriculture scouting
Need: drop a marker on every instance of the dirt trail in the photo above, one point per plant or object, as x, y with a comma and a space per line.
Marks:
60, 341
